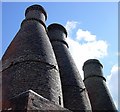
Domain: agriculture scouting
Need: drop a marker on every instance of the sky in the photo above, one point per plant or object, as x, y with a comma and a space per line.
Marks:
92, 32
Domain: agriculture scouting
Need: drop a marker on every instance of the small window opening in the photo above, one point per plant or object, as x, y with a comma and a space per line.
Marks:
59, 100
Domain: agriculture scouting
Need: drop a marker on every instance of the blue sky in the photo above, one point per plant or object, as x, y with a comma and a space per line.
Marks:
83, 20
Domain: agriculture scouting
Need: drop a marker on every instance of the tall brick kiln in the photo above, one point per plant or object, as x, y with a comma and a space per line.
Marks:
38, 72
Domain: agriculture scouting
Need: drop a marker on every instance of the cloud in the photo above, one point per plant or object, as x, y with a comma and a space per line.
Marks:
70, 25
112, 83
85, 35
89, 49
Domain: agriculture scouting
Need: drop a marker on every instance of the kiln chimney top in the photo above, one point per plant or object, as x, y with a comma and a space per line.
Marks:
92, 61
36, 7
57, 26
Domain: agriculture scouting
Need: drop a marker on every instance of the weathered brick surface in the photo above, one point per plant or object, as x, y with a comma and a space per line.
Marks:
29, 101
95, 84
74, 93
30, 63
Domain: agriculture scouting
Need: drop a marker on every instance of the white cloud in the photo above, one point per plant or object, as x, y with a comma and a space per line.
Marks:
85, 35
112, 83
91, 48
70, 25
